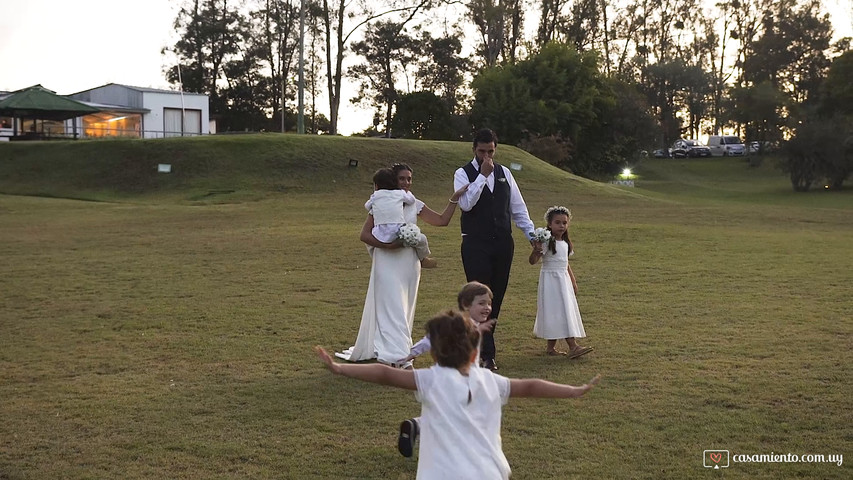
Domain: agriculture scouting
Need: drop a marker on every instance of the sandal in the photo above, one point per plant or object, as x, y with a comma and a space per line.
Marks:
580, 351
555, 353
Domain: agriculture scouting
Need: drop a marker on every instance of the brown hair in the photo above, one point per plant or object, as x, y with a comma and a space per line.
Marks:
385, 179
549, 215
453, 339
470, 291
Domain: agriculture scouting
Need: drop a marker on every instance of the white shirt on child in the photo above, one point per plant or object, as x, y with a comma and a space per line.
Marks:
460, 427
386, 206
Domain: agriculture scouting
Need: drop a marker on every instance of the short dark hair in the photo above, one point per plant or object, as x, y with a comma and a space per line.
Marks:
485, 135
385, 179
453, 339
470, 291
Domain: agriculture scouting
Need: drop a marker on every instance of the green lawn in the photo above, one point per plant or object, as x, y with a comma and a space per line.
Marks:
164, 330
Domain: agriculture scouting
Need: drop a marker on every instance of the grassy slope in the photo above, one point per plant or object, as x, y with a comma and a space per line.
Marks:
252, 166
167, 335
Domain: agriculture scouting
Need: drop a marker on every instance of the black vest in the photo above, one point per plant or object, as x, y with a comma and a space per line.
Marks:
490, 217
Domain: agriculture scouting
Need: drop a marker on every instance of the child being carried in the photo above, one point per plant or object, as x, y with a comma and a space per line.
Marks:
386, 206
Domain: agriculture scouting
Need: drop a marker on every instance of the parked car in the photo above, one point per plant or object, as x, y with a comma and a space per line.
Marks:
726, 145
686, 147
754, 147
661, 153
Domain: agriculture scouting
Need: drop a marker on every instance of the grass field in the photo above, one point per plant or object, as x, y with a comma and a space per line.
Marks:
160, 326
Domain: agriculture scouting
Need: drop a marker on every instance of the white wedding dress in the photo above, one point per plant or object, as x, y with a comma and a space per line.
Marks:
389, 307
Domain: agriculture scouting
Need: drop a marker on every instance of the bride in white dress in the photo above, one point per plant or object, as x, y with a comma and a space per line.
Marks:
385, 332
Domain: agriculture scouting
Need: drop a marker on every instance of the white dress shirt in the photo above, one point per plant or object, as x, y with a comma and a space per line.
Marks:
517, 207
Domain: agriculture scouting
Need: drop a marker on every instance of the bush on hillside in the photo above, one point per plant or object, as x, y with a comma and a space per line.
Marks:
553, 149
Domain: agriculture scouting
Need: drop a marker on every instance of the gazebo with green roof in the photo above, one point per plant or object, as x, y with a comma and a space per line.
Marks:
39, 103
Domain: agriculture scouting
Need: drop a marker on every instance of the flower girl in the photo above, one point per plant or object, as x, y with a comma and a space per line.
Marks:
386, 206
460, 404
557, 314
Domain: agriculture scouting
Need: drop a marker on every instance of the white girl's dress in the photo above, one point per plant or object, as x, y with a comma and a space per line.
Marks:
557, 314
460, 424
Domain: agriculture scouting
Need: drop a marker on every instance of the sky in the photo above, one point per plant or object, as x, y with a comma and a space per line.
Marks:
70, 46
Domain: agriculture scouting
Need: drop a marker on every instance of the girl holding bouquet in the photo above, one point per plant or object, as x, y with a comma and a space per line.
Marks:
557, 314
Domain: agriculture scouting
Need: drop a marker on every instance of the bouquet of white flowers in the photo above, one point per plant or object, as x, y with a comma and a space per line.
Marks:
409, 233
541, 235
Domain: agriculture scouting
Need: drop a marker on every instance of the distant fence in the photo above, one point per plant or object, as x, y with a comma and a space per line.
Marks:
90, 134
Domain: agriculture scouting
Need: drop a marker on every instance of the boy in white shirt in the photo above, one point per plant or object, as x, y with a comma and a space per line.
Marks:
459, 439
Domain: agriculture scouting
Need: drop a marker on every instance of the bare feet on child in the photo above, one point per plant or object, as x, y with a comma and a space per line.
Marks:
429, 262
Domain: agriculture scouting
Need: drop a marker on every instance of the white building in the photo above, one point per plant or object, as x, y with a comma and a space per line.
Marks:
143, 112
124, 111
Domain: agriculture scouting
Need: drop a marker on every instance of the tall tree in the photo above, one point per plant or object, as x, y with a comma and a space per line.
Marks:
274, 41
794, 44
422, 115
209, 36
762, 110
499, 23
442, 68
551, 17
335, 14
313, 16
837, 89
557, 92
387, 51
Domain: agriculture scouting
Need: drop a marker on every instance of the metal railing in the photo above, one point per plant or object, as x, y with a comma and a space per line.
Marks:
87, 134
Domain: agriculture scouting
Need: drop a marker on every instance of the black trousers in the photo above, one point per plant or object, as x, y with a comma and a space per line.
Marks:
488, 261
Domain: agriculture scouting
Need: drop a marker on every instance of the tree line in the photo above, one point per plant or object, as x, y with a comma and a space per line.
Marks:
585, 84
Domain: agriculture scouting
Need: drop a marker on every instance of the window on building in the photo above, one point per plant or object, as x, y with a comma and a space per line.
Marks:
178, 122
106, 124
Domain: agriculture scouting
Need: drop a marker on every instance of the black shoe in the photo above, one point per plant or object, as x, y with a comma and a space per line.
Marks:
408, 435
490, 364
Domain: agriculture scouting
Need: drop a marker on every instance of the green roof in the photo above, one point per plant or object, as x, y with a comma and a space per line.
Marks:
37, 102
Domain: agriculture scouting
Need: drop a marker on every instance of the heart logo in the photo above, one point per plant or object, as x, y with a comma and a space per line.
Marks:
716, 457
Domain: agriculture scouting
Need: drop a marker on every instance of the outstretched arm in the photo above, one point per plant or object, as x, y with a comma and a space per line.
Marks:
432, 217
373, 372
538, 388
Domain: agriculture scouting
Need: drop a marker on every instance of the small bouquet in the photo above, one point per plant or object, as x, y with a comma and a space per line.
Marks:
409, 233
541, 235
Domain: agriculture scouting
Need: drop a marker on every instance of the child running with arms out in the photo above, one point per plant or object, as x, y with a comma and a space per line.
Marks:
460, 403
386, 206
475, 302
557, 315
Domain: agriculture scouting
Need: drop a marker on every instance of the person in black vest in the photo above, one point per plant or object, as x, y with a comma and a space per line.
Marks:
489, 207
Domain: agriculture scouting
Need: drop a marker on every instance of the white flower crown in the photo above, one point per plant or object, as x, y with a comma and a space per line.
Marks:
557, 210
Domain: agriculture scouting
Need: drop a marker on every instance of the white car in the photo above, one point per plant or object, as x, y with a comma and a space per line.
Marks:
726, 145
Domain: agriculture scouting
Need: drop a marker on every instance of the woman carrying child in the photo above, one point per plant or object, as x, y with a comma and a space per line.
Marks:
385, 332
557, 315
387, 205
